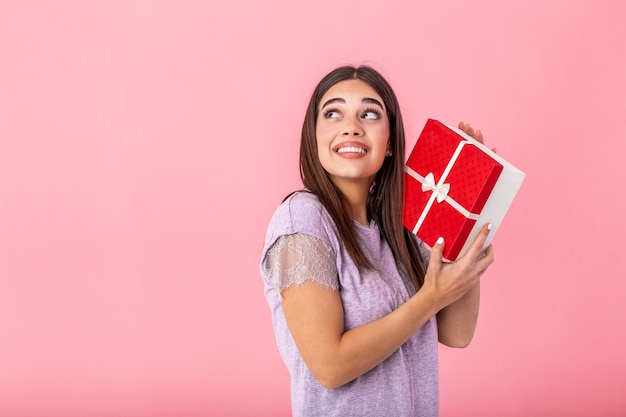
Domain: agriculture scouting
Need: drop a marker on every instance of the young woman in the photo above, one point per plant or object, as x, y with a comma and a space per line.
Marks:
358, 303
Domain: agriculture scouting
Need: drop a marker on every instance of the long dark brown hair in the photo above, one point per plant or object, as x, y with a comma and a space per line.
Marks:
385, 202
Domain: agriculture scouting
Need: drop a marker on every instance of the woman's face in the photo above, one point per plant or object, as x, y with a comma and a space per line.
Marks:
352, 132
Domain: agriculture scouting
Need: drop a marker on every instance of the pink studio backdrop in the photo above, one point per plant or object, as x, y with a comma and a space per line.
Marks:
145, 144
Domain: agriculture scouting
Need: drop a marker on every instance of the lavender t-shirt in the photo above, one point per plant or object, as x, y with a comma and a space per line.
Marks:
406, 383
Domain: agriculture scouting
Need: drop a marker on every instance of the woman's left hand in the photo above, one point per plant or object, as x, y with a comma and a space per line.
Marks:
476, 134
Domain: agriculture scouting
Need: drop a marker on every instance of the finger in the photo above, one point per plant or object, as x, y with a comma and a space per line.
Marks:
479, 136
465, 127
436, 254
476, 247
487, 254
469, 130
483, 263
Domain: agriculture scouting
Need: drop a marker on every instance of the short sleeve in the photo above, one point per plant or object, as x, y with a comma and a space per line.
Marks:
296, 258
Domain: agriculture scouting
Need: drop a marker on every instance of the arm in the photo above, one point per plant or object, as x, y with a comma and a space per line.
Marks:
314, 315
456, 323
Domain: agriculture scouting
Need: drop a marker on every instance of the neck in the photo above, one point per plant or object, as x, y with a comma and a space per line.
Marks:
355, 195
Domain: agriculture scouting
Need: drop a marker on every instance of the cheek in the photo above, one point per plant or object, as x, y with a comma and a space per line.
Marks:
382, 137
380, 132
322, 134
324, 140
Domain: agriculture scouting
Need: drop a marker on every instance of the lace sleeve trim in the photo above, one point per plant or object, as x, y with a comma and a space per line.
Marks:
294, 259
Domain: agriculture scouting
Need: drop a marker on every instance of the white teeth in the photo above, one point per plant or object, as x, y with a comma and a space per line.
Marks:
351, 149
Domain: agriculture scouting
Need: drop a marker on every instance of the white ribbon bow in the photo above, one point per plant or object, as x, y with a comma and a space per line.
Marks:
441, 191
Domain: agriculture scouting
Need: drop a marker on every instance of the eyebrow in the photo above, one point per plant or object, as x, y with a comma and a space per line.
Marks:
369, 100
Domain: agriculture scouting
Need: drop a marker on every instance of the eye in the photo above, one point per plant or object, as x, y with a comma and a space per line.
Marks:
371, 114
332, 114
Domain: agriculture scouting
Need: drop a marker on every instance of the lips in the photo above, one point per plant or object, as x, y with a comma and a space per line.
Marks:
351, 147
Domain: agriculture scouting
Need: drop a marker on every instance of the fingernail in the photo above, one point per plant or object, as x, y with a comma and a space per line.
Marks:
440, 241
489, 226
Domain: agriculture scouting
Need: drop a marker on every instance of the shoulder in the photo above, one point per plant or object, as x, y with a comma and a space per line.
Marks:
301, 212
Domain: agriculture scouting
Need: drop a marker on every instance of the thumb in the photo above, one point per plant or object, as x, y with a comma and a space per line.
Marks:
436, 254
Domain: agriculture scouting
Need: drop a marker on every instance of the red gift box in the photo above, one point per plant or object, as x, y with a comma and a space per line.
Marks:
448, 180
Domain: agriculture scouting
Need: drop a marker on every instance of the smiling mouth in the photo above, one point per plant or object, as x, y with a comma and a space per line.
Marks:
351, 149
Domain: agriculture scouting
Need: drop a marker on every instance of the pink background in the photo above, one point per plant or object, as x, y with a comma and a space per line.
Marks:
145, 144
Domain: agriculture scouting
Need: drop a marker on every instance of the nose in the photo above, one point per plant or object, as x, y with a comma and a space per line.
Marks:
352, 128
